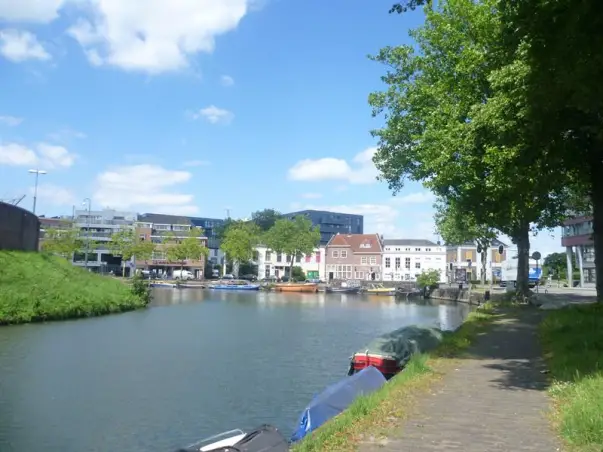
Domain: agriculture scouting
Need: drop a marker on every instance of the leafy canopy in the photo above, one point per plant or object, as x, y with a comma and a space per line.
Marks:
239, 241
62, 241
188, 248
293, 237
127, 244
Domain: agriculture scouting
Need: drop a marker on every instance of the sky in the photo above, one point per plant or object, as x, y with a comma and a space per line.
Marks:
194, 107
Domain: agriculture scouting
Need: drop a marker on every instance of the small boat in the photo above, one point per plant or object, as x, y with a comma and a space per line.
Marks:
390, 352
342, 289
265, 438
335, 399
234, 284
162, 284
296, 287
379, 289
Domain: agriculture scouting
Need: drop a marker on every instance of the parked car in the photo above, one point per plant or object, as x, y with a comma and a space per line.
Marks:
183, 274
251, 278
228, 276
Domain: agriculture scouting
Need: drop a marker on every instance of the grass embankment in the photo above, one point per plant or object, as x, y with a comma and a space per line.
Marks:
573, 342
38, 287
372, 415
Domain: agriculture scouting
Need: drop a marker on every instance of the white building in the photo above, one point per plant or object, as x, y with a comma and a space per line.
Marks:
275, 265
464, 262
404, 259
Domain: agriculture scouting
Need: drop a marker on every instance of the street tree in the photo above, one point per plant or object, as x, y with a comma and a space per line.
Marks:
128, 245
428, 278
62, 241
239, 242
265, 219
190, 247
293, 237
444, 129
555, 263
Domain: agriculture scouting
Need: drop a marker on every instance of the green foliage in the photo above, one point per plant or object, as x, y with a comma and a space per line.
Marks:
188, 248
457, 226
141, 288
127, 244
240, 240
39, 286
62, 241
573, 342
297, 274
293, 237
557, 262
265, 219
429, 279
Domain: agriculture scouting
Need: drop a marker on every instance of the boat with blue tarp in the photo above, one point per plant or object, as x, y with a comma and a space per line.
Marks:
335, 399
235, 284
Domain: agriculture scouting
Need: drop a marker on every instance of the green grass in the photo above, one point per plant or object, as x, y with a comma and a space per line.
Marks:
573, 342
38, 287
372, 415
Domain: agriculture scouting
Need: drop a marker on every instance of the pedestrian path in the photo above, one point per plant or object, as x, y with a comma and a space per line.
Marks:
494, 401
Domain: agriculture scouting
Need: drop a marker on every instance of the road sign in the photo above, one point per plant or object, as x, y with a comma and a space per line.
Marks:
536, 255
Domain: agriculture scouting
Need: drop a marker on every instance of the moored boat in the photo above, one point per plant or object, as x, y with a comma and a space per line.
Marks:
390, 352
296, 287
379, 289
342, 289
162, 284
335, 399
265, 438
234, 284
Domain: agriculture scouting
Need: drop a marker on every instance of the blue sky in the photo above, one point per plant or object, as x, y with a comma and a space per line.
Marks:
196, 106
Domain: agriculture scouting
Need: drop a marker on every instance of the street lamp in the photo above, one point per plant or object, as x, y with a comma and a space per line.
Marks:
37, 172
89, 203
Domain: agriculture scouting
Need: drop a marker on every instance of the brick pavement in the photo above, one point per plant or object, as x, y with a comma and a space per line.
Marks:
493, 401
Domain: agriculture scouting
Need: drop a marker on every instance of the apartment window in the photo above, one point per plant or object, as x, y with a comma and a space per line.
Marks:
363, 260
418, 264
427, 249
397, 263
387, 262
373, 260
162, 227
343, 272
406, 249
279, 257
359, 275
344, 254
335, 253
387, 248
298, 258
398, 249
406, 277
407, 262
268, 256
417, 249
468, 255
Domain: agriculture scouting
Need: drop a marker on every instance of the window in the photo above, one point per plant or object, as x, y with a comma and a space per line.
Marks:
407, 262
397, 249
418, 264
397, 263
373, 260
406, 249
344, 254
406, 277
387, 248
279, 257
363, 260
427, 249
417, 249
388, 262
342, 271
359, 275
298, 258
335, 253
268, 256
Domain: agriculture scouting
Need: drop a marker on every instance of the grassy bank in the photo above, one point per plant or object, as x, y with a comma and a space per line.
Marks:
573, 343
373, 414
38, 287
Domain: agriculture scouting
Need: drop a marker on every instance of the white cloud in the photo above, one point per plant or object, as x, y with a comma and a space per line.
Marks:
144, 188
40, 11
420, 197
67, 135
214, 115
11, 121
226, 80
154, 36
193, 163
360, 171
44, 156
19, 46
55, 195
311, 195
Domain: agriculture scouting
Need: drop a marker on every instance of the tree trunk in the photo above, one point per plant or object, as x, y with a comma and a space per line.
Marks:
522, 240
123, 267
291, 269
597, 201
484, 257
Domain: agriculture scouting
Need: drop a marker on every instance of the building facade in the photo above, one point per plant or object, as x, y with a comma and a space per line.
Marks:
464, 263
164, 231
96, 228
332, 223
577, 237
405, 259
277, 265
354, 257
211, 228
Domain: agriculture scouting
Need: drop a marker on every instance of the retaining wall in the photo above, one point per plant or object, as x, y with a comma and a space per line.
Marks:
19, 228
460, 295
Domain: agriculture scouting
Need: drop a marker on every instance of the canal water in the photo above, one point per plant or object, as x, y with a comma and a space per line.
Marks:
193, 365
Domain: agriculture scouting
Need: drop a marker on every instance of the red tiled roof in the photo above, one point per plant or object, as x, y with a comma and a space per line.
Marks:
358, 242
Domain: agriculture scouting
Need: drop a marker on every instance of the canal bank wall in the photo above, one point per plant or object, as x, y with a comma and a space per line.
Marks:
458, 295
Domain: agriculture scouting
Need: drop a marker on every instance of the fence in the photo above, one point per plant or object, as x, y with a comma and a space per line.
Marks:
19, 228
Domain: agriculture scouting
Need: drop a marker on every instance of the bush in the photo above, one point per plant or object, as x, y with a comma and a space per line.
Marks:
38, 287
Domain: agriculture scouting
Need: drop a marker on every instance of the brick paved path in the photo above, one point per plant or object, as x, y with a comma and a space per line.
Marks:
494, 401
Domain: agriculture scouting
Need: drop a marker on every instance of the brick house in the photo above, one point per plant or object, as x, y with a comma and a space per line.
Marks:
354, 257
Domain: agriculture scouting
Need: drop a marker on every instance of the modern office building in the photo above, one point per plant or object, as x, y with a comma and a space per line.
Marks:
577, 237
332, 223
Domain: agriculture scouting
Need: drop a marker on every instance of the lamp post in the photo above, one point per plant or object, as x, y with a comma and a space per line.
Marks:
88, 202
37, 172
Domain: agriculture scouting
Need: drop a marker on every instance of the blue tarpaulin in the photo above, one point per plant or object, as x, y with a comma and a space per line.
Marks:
535, 273
335, 399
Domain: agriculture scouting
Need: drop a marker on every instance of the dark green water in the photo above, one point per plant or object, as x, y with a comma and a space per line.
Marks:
195, 364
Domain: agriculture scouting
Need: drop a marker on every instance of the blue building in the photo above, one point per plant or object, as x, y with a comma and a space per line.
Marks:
331, 223
209, 226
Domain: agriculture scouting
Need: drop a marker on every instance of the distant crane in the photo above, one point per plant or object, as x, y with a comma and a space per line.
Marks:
13, 201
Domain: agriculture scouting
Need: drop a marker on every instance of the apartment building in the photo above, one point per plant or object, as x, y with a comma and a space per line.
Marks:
465, 264
354, 257
577, 237
276, 265
96, 228
405, 259
331, 223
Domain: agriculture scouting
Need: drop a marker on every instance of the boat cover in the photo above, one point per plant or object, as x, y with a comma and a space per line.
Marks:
265, 438
335, 399
401, 344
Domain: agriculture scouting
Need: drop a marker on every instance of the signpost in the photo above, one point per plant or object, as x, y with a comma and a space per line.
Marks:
536, 256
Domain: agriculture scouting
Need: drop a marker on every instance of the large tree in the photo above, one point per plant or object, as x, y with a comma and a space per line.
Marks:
62, 241
450, 125
265, 219
239, 242
127, 244
189, 247
293, 237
